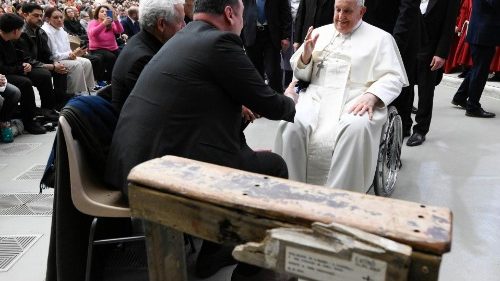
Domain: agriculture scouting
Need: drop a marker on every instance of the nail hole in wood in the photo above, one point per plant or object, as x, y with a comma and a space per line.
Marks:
266, 178
422, 206
420, 217
245, 194
257, 185
416, 231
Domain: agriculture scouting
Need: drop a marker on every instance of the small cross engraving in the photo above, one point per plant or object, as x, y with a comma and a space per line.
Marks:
321, 65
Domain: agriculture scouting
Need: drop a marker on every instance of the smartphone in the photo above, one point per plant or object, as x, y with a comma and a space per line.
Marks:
109, 13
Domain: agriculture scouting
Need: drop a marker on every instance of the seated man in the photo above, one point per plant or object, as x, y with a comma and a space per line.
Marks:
17, 71
188, 102
353, 68
36, 52
160, 20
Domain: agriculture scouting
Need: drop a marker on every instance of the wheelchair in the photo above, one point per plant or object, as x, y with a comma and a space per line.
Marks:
389, 155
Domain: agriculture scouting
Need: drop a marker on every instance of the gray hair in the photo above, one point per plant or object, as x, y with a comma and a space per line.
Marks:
150, 11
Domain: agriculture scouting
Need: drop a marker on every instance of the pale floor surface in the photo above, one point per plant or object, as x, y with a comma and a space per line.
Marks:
457, 167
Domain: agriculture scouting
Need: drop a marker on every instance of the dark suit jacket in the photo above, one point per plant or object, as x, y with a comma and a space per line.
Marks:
314, 13
187, 102
484, 26
129, 28
438, 28
279, 21
129, 65
401, 18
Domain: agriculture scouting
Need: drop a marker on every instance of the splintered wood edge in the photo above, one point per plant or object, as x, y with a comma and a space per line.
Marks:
423, 227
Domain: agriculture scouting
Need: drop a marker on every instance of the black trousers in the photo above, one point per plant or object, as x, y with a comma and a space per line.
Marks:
42, 80
97, 66
472, 87
267, 59
11, 97
262, 162
60, 82
426, 80
108, 59
403, 104
27, 100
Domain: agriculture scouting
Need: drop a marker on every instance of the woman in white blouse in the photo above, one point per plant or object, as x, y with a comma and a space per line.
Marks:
80, 75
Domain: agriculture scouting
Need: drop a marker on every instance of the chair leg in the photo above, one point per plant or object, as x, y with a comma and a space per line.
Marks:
90, 247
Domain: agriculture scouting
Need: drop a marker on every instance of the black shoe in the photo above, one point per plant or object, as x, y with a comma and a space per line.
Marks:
414, 110
481, 113
34, 128
461, 104
47, 114
415, 139
213, 257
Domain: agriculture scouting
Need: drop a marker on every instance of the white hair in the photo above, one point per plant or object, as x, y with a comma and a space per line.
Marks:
150, 11
360, 3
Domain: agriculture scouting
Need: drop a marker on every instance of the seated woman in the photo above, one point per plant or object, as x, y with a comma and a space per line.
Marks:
80, 75
102, 41
72, 24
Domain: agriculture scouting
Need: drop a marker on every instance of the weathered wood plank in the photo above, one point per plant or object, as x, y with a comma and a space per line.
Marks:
424, 228
330, 253
166, 257
204, 220
228, 226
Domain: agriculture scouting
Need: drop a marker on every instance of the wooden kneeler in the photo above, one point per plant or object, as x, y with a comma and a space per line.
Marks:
312, 232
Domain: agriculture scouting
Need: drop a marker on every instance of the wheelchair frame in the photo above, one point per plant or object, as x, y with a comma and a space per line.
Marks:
389, 156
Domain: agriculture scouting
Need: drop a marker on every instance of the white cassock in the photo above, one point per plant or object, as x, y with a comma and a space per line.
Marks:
80, 73
325, 145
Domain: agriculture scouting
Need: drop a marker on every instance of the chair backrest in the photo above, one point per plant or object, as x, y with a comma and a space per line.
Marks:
88, 192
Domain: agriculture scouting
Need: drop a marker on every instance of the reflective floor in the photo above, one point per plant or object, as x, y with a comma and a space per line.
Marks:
457, 167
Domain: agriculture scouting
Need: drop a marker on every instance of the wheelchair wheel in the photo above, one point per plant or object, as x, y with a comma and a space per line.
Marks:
389, 162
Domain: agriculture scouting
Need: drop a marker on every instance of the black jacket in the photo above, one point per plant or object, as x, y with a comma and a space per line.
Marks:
11, 60
74, 27
279, 21
129, 28
484, 26
401, 18
129, 65
187, 102
438, 28
34, 46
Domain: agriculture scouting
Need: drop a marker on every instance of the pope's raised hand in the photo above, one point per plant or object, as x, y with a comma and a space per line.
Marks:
309, 43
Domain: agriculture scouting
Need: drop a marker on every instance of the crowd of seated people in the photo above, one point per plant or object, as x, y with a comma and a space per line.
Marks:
36, 56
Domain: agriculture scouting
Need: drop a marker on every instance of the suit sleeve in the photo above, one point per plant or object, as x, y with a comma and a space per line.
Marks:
235, 72
286, 19
448, 29
299, 21
408, 13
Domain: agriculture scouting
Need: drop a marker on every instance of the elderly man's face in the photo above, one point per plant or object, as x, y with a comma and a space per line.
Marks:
347, 14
